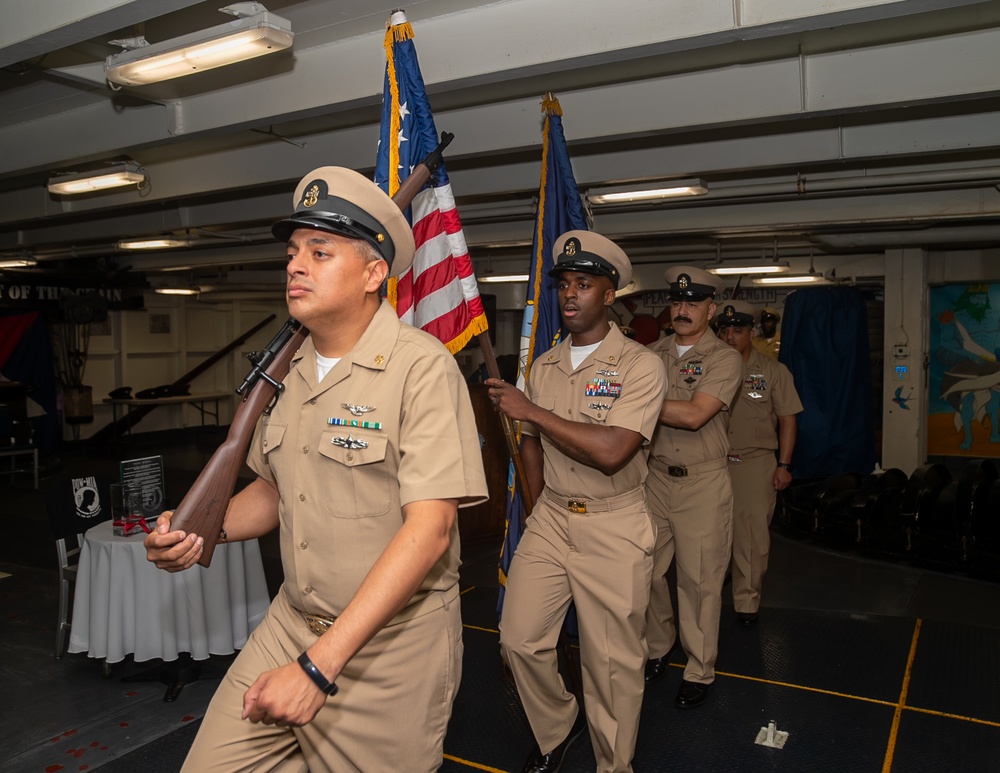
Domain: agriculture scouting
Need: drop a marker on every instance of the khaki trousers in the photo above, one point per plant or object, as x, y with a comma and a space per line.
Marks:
753, 505
693, 516
601, 561
392, 709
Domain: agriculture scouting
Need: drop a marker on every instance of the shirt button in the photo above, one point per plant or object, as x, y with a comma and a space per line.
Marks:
305, 449
302, 497
265, 443
303, 545
308, 589
350, 456
313, 401
572, 469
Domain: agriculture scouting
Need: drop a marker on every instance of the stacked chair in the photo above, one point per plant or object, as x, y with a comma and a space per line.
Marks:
931, 518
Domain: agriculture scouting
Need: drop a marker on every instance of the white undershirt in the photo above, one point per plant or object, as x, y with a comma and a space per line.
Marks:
578, 354
324, 365
682, 350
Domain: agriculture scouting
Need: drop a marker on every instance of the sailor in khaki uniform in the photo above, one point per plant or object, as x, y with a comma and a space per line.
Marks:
362, 464
768, 342
690, 497
762, 422
591, 407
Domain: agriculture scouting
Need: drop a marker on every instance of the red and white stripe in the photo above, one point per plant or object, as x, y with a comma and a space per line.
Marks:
439, 293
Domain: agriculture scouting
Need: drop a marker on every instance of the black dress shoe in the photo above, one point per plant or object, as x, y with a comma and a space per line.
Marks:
691, 695
656, 667
552, 762
747, 619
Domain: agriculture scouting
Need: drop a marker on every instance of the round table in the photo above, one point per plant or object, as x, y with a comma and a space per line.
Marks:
124, 605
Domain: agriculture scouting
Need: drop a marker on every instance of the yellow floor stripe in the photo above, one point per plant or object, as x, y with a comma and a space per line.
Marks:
475, 765
952, 716
477, 628
891, 748
798, 687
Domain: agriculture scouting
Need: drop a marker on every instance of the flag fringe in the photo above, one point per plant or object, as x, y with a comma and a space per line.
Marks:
476, 327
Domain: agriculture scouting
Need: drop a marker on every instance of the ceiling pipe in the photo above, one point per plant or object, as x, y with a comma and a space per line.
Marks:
908, 238
804, 186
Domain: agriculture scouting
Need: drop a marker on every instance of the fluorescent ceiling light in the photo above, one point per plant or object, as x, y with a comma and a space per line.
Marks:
667, 189
503, 278
756, 268
790, 279
178, 290
17, 263
250, 35
120, 173
155, 243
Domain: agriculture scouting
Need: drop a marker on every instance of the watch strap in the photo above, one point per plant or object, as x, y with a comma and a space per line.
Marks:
328, 687
785, 466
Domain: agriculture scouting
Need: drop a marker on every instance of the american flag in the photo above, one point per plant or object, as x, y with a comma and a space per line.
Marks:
438, 293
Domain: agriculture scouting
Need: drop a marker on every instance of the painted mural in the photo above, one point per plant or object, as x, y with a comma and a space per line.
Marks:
964, 390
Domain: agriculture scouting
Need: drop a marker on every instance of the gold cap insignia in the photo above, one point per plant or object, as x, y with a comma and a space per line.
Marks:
571, 247
730, 311
311, 196
683, 280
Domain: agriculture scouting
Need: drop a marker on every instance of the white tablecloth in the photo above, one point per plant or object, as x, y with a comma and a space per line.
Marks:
124, 605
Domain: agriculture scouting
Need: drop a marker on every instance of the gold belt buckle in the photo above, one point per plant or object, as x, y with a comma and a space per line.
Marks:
318, 624
577, 505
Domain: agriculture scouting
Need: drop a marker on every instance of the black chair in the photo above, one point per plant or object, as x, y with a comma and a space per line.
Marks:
943, 534
876, 508
984, 561
73, 506
16, 441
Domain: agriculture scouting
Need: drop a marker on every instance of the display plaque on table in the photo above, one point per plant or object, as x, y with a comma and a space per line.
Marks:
146, 475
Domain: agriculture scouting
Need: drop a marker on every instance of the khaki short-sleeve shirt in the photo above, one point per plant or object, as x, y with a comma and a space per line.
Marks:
390, 424
710, 367
619, 385
767, 392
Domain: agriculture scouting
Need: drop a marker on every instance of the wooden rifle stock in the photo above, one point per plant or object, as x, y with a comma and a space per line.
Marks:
203, 509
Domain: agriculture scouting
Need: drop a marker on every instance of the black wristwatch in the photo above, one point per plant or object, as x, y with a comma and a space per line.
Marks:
330, 688
785, 466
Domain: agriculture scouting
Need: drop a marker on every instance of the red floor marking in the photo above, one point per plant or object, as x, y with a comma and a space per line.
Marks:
131, 694
53, 768
187, 718
123, 724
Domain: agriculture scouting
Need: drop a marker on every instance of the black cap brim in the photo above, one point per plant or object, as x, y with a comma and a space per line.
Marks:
690, 296
594, 266
353, 223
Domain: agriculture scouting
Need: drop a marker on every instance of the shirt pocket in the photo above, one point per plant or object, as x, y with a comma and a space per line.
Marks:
596, 409
359, 485
273, 435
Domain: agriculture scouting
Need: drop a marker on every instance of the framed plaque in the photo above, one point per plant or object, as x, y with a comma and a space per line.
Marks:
146, 475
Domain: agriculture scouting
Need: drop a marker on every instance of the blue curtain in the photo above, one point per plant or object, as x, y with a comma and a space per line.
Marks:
824, 343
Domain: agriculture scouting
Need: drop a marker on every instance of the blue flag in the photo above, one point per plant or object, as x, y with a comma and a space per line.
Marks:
560, 209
